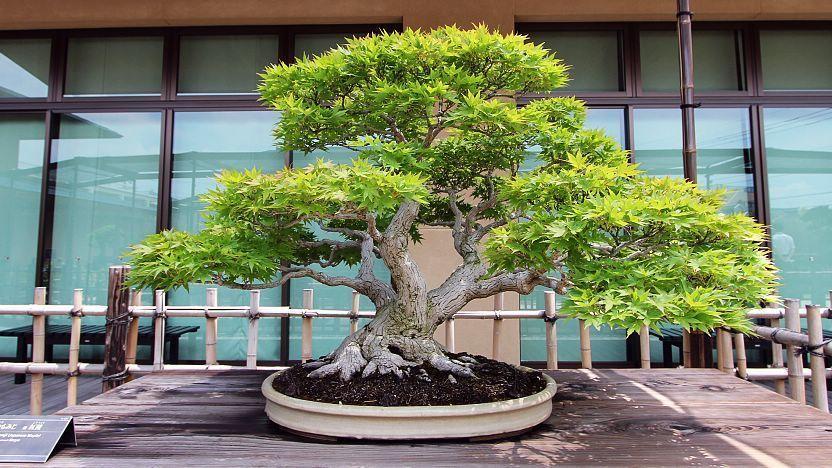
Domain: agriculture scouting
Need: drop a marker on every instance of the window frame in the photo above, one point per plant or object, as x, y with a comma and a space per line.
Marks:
754, 97
758, 64
624, 52
168, 102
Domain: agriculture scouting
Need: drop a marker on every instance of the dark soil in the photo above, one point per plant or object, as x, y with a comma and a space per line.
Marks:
494, 381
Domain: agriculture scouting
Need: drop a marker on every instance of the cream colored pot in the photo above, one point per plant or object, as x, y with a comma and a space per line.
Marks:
408, 422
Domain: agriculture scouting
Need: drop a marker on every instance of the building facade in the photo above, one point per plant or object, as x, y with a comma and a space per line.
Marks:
114, 115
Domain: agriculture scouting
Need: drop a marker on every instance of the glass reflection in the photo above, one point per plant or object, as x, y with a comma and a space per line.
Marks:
608, 345
24, 67
723, 140
114, 66
717, 54
224, 64
329, 332
312, 45
205, 143
799, 164
21, 163
796, 60
105, 167
594, 57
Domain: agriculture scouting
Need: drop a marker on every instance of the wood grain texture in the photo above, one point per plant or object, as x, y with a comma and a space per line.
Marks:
115, 341
610, 417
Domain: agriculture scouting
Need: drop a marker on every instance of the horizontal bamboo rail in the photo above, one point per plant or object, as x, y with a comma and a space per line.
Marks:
253, 312
780, 374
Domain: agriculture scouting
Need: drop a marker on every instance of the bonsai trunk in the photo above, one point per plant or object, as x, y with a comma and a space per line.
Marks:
401, 334
396, 339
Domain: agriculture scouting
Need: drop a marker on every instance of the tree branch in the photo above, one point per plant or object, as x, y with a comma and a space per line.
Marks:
377, 291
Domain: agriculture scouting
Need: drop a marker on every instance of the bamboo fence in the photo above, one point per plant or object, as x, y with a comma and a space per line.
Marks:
120, 349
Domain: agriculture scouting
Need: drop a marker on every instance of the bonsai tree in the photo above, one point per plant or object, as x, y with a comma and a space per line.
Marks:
439, 141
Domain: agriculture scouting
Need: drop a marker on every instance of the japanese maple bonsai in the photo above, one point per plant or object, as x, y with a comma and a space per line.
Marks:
439, 140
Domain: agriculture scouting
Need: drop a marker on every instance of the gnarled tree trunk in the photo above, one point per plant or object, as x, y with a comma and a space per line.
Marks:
401, 334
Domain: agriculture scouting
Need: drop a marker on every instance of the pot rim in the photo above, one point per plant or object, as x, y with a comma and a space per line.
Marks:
409, 411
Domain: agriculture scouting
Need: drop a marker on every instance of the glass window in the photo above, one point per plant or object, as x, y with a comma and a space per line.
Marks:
105, 197
607, 344
21, 163
723, 140
24, 67
796, 60
205, 143
224, 64
717, 59
799, 164
114, 66
312, 45
594, 57
329, 332
611, 121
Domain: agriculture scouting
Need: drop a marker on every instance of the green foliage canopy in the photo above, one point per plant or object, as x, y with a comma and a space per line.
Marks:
432, 121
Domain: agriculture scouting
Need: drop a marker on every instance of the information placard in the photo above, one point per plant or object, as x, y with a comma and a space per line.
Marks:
33, 438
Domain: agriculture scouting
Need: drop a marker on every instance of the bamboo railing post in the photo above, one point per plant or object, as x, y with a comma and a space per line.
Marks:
727, 352
74, 347
497, 324
686, 361
817, 360
450, 335
356, 303
719, 352
115, 340
133, 331
550, 316
777, 359
306, 326
159, 331
210, 328
38, 350
586, 346
742, 359
644, 346
253, 328
795, 363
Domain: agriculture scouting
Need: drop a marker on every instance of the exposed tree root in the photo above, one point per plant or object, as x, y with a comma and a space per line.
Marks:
348, 362
379, 354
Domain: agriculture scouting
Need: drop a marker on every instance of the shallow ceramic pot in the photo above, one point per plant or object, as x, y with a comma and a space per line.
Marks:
481, 420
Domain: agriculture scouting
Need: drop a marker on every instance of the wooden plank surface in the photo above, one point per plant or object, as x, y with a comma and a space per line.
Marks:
14, 398
610, 417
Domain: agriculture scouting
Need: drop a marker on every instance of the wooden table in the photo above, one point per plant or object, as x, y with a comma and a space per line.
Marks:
627, 417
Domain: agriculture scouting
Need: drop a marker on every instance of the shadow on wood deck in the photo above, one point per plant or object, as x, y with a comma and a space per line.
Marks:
627, 416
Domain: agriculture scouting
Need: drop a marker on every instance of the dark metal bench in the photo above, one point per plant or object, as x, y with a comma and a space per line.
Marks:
671, 335
90, 335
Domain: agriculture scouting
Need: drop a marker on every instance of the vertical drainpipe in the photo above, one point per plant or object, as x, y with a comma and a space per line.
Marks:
699, 347
683, 22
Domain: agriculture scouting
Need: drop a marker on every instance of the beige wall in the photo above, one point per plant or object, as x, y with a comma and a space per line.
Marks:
46, 14
437, 259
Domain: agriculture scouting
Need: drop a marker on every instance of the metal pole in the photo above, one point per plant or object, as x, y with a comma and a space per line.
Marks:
683, 23
685, 36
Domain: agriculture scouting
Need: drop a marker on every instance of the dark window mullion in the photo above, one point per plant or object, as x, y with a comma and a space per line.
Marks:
755, 61
170, 66
57, 68
47, 203
165, 172
761, 197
